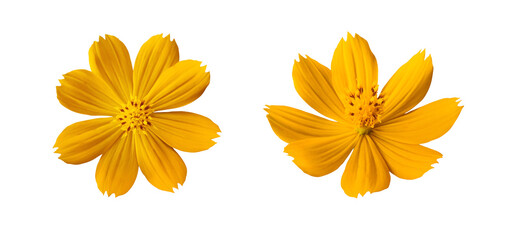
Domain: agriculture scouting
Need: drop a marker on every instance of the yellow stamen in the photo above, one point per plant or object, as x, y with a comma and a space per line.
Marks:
364, 108
134, 115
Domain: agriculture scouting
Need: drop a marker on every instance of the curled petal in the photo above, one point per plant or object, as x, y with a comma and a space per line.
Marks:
160, 164
353, 66
83, 92
291, 124
110, 60
407, 87
321, 155
185, 131
178, 85
313, 82
84, 141
366, 170
155, 56
117, 169
407, 161
423, 124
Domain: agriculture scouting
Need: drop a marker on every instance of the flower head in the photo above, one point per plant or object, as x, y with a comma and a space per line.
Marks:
383, 133
136, 133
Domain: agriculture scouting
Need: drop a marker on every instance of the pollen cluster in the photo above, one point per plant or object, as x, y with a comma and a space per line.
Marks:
134, 115
363, 108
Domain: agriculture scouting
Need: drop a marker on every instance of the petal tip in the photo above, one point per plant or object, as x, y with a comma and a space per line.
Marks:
110, 37
348, 36
429, 58
459, 102
100, 39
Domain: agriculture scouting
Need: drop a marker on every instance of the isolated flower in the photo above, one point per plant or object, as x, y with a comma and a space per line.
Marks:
384, 136
135, 134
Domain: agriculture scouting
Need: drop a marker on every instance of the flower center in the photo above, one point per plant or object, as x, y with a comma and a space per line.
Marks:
364, 108
134, 115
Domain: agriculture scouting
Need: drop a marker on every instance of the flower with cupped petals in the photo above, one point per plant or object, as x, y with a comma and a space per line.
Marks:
136, 132
383, 133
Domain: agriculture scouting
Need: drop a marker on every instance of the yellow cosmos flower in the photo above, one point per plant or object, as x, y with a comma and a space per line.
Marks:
135, 134
384, 136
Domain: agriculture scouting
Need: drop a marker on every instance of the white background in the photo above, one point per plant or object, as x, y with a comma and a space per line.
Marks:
245, 187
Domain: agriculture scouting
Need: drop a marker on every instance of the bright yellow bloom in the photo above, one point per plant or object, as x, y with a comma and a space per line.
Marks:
135, 134
384, 136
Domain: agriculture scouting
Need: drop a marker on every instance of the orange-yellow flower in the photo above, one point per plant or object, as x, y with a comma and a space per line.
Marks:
383, 133
136, 133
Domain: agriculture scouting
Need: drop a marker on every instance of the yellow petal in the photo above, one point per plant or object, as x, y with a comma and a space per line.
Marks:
407, 161
353, 66
160, 164
84, 141
83, 92
110, 59
185, 131
291, 124
423, 124
117, 169
178, 85
155, 56
408, 86
321, 155
313, 82
366, 170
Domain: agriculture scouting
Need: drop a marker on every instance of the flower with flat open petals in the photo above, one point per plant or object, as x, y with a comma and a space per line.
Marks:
383, 133
136, 132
